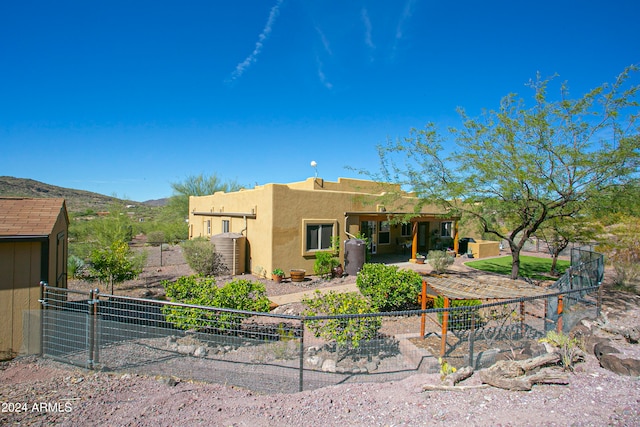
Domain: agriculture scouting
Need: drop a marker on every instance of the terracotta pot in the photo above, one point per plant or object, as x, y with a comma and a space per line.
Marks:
419, 260
276, 278
337, 271
298, 275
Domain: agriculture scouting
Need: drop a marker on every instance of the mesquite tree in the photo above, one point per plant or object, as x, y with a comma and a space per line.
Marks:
519, 166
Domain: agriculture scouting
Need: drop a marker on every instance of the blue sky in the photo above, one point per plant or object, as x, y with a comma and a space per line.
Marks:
125, 97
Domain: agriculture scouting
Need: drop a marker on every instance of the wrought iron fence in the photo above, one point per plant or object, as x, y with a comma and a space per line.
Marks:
269, 352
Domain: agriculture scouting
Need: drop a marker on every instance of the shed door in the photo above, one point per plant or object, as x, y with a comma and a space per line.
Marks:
19, 292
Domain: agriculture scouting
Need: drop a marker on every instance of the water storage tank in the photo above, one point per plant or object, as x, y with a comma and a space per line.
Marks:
354, 256
232, 247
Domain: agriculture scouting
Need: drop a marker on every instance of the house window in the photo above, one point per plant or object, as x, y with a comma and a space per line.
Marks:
318, 235
208, 227
384, 236
445, 229
407, 228
225, 225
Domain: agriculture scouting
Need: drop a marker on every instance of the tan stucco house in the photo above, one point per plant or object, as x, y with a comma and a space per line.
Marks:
33, 248
285, 225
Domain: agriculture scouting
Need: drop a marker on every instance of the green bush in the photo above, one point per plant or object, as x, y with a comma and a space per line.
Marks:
325, 263
238, 294
348, 332
460, 319
156, 237
201, 256
439, 261
388, 287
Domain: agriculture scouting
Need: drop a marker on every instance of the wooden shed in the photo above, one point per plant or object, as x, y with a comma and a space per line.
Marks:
33, 248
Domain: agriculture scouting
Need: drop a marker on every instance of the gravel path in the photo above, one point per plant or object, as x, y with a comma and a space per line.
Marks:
73, 397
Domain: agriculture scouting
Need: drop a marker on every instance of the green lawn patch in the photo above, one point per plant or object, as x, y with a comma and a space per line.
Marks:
530, 266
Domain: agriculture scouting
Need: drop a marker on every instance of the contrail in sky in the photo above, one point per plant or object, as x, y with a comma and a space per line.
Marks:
241, 67
367, 26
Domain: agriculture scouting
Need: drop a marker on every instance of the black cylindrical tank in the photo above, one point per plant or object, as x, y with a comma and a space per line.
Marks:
354, 255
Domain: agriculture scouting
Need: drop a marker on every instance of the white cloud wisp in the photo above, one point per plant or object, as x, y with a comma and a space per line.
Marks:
244, 65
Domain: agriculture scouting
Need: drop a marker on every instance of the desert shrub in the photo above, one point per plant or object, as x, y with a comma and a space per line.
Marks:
445, 368
348, 332
238, 294
75, 266
324, 264
439, 261
460, 319
388, 287
156, 237
570, 349
202, 257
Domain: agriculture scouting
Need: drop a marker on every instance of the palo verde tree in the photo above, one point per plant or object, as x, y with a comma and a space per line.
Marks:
518, 167
196, 185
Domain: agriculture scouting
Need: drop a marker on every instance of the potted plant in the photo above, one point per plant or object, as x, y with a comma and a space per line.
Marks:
420, 259
277, 275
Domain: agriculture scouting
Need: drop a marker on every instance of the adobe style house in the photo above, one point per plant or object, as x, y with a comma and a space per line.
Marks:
285, 225
33, 248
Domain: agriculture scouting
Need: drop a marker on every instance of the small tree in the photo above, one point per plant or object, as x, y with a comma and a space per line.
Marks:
115, 264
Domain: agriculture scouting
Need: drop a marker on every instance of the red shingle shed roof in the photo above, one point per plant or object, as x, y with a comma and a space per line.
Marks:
30, 217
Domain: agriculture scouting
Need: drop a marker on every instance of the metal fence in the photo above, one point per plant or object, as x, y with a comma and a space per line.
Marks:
269, 352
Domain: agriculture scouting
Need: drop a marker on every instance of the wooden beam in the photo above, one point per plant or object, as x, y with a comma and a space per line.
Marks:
445, 324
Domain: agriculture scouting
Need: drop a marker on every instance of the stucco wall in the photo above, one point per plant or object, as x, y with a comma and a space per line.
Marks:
485, 248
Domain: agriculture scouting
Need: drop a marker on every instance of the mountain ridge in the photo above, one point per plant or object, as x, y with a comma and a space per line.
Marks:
76, 200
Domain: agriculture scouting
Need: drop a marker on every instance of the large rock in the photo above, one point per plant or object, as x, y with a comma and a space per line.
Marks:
630, 367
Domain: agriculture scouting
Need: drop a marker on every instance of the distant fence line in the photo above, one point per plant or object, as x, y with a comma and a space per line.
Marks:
270, 352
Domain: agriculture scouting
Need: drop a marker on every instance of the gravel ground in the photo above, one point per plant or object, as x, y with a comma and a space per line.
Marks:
72, 397
37, 391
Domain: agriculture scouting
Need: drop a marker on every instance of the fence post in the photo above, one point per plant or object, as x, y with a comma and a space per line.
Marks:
423, 305
445, 325
93, 319
472, 332
301, 376
522, 313
43, 303
560, 308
